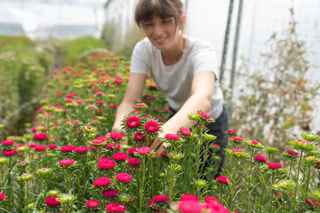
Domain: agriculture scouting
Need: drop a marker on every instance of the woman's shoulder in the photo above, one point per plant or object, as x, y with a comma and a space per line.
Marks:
144, 45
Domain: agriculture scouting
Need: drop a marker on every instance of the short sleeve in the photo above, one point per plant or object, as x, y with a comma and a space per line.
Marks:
139, 58
205, 59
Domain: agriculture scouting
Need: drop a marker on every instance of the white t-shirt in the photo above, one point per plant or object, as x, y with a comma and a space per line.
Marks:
175, 81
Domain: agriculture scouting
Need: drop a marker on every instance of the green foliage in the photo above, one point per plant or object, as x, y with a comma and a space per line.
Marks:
276, 99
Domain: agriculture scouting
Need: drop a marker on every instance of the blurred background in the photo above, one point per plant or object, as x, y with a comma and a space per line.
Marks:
268, 50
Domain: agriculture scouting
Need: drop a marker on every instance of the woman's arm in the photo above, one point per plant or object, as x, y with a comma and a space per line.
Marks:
133, 93
200, 99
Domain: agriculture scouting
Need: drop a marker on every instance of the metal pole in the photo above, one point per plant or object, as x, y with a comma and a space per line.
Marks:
226, 40
235, 49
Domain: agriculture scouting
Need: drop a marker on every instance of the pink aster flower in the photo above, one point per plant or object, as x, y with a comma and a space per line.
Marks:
66, 162
274, 165
151, 126
106, 164
312, 202
9, 152
115, 136
164, 155
99, 93
139, 136
110, 193
190, 207
133, 121
2, 196
52, 201
144, 150
132, 150
92, 203
293, 152
236, 150
40, 148
205, 115
185, 131
236, 139
172, 136
115, 207
103, 181
231, 132
7, 142
123, 177
160, 198
120, 156
186, 197
254, 142
223, 179
134, 161
40, 136
67, 148
112, 145
210, 199
52, 146
260, 158
82, 149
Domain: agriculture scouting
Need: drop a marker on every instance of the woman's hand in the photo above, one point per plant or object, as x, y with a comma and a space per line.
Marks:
118, 129
159, 146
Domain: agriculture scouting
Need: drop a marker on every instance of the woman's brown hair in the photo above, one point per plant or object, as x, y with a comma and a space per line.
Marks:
146, 9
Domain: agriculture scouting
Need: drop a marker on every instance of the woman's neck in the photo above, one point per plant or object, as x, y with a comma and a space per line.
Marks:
172, 56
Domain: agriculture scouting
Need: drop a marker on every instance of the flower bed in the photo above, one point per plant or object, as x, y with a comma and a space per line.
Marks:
71, 162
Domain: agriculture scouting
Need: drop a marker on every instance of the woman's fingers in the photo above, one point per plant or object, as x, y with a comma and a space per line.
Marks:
157, 142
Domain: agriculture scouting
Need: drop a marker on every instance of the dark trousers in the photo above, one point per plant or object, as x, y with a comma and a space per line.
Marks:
218, 129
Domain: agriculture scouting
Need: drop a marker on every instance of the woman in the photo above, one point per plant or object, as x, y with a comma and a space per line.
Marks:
184, 68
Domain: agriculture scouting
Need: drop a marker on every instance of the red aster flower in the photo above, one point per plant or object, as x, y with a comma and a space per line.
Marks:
52, 146
110, 193
67, 148
205, 115
254, 142
237, 140
139, 136
151, 126
164, 155
99, 93
103, 181
99, 102
223, 179
185, 131
40, 148
92, 203
186, 197
312, 202
153, 87
260, 158
115, 207
112, 106
52, 201
274, 165
32, 145
210, 199
7, 142
82, 149
132, 150
40, 136
292, 152
111, 145
133, 121
123, 177
115, 136
2, 196
160, 198
172, 136
120, 156
134, 161
9, 152
106, 164
232, 132
190, 207
66, 162
144, 150
236, 150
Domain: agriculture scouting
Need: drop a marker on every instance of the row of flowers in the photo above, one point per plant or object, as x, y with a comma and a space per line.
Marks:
72, 162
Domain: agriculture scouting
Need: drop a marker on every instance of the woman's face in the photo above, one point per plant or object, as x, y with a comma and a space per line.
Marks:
163, 33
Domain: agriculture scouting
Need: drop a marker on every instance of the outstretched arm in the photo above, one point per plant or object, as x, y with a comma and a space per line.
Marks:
200, 99
133, 93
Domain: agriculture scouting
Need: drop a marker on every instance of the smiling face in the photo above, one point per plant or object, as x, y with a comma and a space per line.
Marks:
163, 33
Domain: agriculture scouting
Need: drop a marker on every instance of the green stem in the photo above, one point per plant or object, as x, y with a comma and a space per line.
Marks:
248, 182
296, 183
271, 194
143, 163
308, 180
